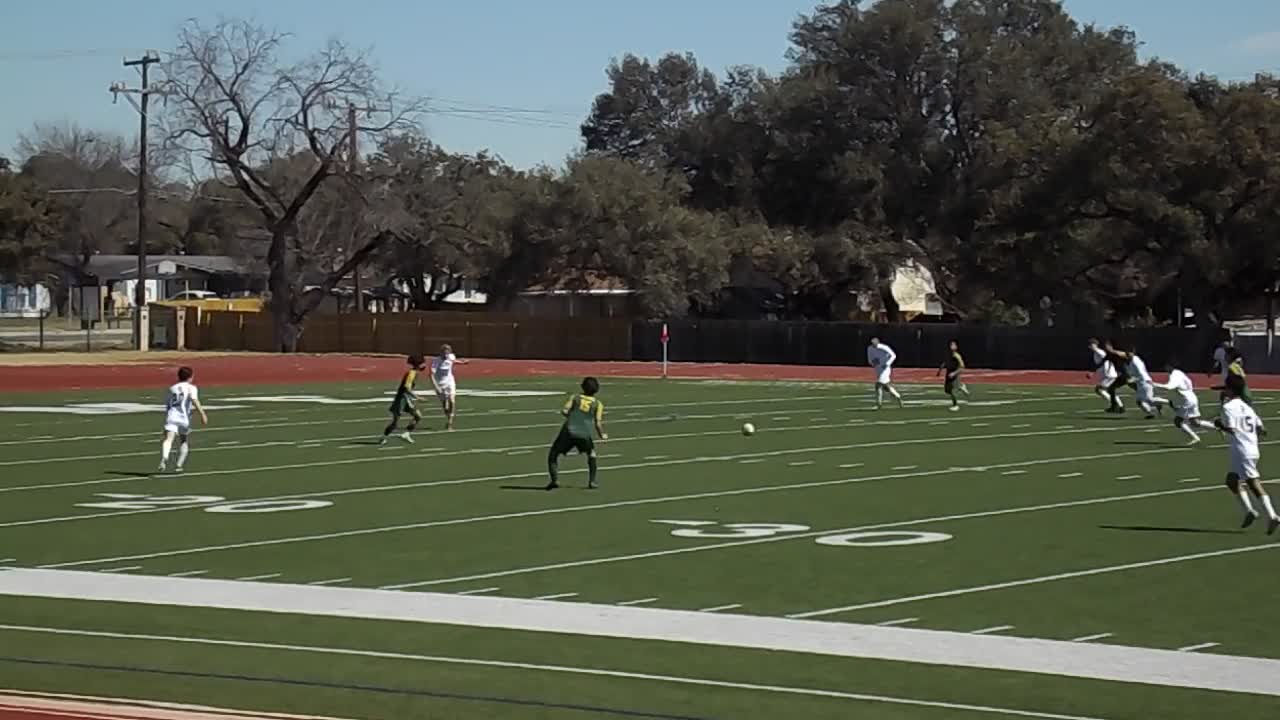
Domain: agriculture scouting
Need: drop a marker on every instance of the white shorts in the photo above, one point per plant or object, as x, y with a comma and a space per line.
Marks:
1245, 468
1105, 382
448, 389
176, 422
172, 427
884, 376
1188, 412
1146, 393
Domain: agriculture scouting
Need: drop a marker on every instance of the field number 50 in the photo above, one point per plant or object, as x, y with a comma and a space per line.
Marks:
711, 529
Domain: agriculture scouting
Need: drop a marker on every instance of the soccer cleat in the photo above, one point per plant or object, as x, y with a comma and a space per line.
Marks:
1272, 525
162, 468
178, 470
383, 441
593, 486
954, 408
553, 486
1249, 519
407, 438
1194, 441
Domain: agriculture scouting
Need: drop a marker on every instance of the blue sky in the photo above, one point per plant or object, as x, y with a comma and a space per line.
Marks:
57, 57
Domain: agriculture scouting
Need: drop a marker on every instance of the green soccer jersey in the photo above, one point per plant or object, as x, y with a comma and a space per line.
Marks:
582, 413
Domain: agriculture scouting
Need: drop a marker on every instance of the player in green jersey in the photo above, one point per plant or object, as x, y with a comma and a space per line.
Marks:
406, 401
954, 368
583, 421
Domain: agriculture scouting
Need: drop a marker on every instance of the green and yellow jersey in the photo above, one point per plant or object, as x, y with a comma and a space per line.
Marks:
406, 399
1236, 368
954, 365
581, 415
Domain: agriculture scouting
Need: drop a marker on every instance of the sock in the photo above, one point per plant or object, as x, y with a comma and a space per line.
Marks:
1102, 393
1162, 401
1266, 504
390, 429
412, 426
592, 467
955, 401
1148, 408
879, 395
1187, 429
183, 449
894, 392
1243, 495
165, 448
553, 468
1204, 425
964, 389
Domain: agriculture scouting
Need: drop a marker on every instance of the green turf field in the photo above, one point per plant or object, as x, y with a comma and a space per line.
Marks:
1029, 514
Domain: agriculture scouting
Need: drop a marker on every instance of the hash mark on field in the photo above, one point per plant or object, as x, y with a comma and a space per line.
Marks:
801, 463
515, 453
1129, 477
645, 601
850, 466
127, 568
557, 596
1014, 472
478, 591
1071, 475
904, 467
188, 573
756, 461
1189, 480
309, 446
1201, 646
1153, 430
982, 424
940, 422
992, 630
1091, 638
1065, 427
900, 621
8, 560
335, 581
656, 457
252, 578
1020, 426
720, 608
229, 442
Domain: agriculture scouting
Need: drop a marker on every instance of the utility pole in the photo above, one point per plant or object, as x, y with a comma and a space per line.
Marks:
141, 329
353, 163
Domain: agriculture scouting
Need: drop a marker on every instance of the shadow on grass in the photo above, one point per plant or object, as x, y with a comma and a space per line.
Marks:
1158, 529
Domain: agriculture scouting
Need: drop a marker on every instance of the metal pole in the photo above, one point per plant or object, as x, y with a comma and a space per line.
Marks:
140, 291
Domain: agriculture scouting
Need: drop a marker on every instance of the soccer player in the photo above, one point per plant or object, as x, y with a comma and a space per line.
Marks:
1220, 361
444, 383
881, 358
1242, 427
406, 401
1105, 376
583, 421
1120, 362
954, 367
1186, 404
1145, 386
183, 396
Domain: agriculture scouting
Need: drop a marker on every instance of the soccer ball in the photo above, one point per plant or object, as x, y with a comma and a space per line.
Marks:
748, 429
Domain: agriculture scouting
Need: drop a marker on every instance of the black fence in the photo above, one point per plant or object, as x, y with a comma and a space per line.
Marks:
924, 345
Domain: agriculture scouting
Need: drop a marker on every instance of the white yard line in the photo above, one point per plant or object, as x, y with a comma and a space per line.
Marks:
1189, 480
1014, 472
992, 630
251, 578
1093, 661
648, 501
1037, 580
479, 591
1071, 475
1129, 477
335, 581
643, 601
568, 670
128, 568
557, 596
517, 476
1195, 648
896, 623
1091, 638
189, 573
721, 608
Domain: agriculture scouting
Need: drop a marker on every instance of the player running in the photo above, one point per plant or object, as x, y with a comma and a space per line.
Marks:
183, 396
583, 421
1145, 386
406, 401
1186, 404
1242, 427
1105, 377
446, 386
954, 368
881, 358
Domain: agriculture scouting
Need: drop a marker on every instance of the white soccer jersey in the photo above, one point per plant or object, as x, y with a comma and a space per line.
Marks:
178, 406
881, 359
1105, 370
1244, 424
442, 369
1186, 402
1138, 369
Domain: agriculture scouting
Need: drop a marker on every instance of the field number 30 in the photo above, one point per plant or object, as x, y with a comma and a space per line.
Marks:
711, 529
216, 503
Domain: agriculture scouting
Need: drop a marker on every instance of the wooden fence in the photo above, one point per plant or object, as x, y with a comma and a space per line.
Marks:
470, 334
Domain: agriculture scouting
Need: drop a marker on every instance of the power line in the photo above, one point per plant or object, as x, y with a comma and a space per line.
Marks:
68, 54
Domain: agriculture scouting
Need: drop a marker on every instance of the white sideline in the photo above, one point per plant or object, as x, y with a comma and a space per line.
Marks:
1115, 663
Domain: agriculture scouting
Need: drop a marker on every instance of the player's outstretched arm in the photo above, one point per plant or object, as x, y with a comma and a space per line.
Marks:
204, 419
600, 422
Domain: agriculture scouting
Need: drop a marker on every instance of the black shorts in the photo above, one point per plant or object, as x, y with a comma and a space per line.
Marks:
950, 385
566, 443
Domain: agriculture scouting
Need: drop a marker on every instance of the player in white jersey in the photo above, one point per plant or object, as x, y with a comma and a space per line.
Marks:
881, 358
1104, 376
1242, 427
1186, 404
1145, 386
183, 398
445, 384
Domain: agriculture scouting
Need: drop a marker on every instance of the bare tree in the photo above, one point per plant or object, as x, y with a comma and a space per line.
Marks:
277, 133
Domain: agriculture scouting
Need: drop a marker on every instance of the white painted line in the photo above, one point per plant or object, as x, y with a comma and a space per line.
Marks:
1021, 426
251, 578
645, 601
1038, 580
1014, 472
656, 457
1091, 638
895, 623
335, 581
904, 467
126, 569
9, 560
557, 596
480, 591
801, 463
189, 573
515, 453
1129, 477
567, 670
1071, 475
1065, 427
1153, 430
1201, 646
981, 425
1086, 660
851, 466
1189, 480
782, 419
721, 608
229, 442
992, 630
310, 446
750, 462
